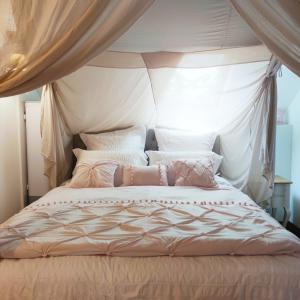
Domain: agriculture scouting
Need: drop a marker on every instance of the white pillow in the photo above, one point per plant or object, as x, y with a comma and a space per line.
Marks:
138, 158
157, 157
222, 182
178, 140
130, 139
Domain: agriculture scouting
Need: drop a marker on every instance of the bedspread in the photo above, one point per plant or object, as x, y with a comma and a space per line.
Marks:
275, 277
144, 221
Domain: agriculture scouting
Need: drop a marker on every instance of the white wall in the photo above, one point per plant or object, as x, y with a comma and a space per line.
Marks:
288, 87
12, 157
286, 148
294, 120
283, 156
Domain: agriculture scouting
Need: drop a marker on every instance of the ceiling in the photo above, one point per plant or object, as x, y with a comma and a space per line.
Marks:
187, 26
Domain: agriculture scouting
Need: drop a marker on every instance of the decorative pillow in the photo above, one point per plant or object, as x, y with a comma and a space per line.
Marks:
194, 173
151, 175
156, 157
130, 139
93, 174
178, 140
122, 157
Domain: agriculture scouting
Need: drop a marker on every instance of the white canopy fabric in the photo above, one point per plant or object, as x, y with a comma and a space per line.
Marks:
277, 24
42, 41
196, 60
201, 25
115, 92
187, 26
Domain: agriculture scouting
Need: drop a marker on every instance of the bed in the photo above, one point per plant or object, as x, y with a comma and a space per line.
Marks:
147, 243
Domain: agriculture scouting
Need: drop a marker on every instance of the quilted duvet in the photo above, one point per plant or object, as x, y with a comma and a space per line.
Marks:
144, 221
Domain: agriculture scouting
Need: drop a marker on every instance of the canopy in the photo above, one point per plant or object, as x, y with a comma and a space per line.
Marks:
204, 59
187, 26
42, 41
224, 91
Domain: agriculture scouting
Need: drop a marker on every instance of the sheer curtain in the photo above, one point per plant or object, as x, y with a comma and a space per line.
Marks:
91, 99
277, 24
41, 41
236, 100
239, 103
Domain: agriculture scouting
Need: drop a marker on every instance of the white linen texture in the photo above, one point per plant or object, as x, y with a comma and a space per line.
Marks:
130, 139
180, 140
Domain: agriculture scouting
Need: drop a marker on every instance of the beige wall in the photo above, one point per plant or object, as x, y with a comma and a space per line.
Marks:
12, 157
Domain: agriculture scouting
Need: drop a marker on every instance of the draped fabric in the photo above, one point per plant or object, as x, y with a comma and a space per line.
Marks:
91, 99
41, 41
187, 26
57, 138
262, 164
277, 24
232, 98
230, 91
236, 101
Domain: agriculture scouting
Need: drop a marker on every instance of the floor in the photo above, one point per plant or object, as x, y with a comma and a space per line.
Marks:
294, 229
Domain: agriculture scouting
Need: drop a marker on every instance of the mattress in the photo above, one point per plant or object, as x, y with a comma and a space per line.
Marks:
147, 243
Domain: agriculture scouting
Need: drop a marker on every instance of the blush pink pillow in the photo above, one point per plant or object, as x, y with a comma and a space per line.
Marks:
145, 175
193, 173
93, 174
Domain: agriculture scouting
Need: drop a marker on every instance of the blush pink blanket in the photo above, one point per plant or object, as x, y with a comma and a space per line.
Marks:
144, 221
